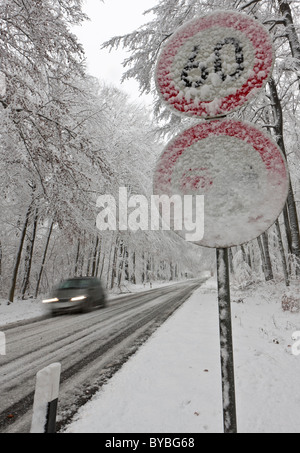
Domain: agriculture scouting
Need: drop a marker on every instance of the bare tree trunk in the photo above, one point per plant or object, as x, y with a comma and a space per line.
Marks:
95, 257
269, 270
288, 229
109, 264
262, 254
88, 267
243, 253
176, 270
144, 270
114, 265
98, 257
126, 265
121, 263
18, 257
44, 260
77, 258
171, 271
102, 266
82, 254
90, 258
291, 33
29, 256
282, 254
230, 258
149, 268
133, 274
1, 255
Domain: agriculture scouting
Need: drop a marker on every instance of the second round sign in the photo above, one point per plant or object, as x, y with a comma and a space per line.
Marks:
212, 65
240, 172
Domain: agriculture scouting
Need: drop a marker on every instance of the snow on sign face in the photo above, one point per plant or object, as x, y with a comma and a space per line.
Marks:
212, 65
241, 172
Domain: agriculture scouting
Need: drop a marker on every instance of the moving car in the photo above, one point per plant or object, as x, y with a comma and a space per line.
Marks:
80, 294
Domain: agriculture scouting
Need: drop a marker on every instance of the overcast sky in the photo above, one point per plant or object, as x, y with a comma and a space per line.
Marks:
108, 19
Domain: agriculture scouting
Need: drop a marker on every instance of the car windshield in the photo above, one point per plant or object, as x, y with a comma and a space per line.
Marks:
74, 284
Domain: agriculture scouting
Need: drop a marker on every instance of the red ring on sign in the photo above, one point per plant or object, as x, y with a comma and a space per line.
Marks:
264, 61
267, 149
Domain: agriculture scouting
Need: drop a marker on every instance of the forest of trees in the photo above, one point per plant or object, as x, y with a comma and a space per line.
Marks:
66, 138
276, 254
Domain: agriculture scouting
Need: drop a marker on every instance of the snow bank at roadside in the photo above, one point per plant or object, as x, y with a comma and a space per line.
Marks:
20, 310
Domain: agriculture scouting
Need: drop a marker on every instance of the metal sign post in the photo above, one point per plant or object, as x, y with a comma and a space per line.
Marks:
226, 343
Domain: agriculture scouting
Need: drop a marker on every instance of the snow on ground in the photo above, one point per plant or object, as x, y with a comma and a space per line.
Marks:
172, 384
20, 310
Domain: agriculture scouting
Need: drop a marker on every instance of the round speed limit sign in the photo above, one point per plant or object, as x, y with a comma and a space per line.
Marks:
214, 64
238, 169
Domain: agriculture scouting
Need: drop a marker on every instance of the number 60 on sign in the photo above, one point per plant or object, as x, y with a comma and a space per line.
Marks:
214, 64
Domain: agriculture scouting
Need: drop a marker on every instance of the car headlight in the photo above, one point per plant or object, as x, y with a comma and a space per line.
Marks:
77, 299
50, 301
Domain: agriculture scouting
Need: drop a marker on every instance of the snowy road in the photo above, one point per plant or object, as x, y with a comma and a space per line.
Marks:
90, 347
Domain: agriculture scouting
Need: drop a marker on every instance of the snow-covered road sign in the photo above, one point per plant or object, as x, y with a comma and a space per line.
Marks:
238, 168
212, 65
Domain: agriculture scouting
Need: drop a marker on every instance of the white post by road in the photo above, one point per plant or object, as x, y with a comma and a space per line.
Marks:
45, 400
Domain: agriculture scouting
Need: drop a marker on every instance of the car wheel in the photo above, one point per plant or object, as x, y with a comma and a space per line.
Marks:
87, 307
102, 303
